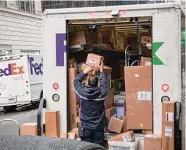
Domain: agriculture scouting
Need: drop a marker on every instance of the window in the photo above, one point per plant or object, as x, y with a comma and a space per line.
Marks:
3, 3
27, 5
5, 50
30, 51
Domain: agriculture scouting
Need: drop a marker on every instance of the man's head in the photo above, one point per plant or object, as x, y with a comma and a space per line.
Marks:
93, 81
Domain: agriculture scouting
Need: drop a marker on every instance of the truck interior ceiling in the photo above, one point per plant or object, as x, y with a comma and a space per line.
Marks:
121, 41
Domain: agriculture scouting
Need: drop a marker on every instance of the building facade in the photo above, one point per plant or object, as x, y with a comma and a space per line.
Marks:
20, 27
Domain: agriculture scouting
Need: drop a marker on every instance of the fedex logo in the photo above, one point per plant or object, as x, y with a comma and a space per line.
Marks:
35, 68
12, 69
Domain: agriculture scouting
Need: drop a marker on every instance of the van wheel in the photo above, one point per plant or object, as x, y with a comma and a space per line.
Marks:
10, 108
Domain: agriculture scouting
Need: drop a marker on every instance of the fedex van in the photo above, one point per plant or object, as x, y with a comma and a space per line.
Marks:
21, 80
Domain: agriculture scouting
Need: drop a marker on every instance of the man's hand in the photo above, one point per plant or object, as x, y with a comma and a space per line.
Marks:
88, 69
101, 66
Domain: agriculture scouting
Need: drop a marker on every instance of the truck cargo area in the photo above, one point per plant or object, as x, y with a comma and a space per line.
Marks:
125, 44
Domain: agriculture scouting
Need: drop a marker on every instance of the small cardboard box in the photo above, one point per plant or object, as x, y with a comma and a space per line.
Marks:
71, 135
94, 60
77, 120
146, 39
145, 61
63, 135
115, 125
29, 129
77, 38
109, 112
52, 123
128, 136
72, 63
109, 101
152, 142
168, 119
75, 130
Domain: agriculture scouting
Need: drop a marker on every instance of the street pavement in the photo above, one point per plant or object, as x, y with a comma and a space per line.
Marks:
21, 116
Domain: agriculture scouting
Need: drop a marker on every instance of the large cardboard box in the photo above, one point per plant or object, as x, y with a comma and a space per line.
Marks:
109, 112
52, 123
168, 118
124, 124
145, 61
152, 142
77, 38
29, 129
138, 86
115, 125
94, 60
72, 98
109, 101
138, 78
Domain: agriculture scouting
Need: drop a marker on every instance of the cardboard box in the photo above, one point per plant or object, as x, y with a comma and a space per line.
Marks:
75, 130
29, 129
168, 134
145, 61
72, 98
128, 136
63, 135
109, 112
146, 39
138, 78
72, 63
77, 120
71, 135
94, 60
138, 86
124, 124
77, 38
152, 142
52, 123
109, 101
115, 125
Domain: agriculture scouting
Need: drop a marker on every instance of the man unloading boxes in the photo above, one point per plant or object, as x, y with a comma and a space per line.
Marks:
91, 98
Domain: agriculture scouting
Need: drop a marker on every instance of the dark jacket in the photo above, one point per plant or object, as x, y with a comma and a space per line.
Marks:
91, 100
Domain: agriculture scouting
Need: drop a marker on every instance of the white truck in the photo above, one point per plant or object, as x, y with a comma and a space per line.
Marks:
164, 21
21, 80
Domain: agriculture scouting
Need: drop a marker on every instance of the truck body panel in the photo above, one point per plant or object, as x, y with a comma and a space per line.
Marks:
18, 86
166, 51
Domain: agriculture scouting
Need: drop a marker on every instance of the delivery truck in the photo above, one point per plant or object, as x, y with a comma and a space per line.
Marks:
142, 45
21, 80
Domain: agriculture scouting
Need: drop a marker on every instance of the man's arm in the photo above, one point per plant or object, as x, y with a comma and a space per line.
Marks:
103, 81
78, 86
103, 84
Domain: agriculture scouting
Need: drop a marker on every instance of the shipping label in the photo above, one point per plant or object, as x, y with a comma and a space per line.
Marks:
168, 131
169, 116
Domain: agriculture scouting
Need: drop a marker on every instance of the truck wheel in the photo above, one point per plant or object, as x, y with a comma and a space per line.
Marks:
10, 108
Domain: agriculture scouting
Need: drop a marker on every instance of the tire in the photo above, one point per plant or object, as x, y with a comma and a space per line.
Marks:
36, 103
10, 108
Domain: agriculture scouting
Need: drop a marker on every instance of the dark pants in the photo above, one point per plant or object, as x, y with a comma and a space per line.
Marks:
93, 136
